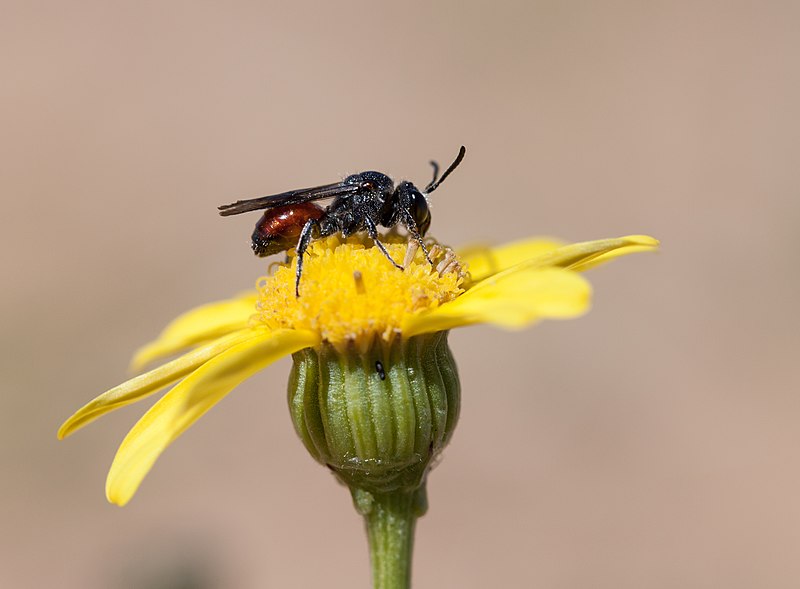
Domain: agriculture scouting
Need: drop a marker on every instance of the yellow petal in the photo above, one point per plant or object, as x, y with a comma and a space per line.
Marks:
151, 382
585, 255
512, 300
189, 400
581, 256
197, 326
483, 261
632, 244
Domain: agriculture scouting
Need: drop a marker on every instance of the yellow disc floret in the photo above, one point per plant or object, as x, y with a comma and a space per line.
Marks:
350, 292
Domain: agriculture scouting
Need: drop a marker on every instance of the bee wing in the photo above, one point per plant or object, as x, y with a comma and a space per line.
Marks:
291, 197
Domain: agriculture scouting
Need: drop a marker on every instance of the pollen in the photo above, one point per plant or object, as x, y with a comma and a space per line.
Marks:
351, 293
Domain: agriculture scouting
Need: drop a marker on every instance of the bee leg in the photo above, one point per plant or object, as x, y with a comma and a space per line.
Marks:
412, 229
372, 231
302, 246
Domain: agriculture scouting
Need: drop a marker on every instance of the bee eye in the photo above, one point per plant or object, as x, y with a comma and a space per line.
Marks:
420, 213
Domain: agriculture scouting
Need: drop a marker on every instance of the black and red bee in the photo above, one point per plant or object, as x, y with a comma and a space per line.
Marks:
361, 202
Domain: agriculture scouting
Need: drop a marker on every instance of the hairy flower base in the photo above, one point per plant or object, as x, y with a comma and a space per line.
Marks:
376, 418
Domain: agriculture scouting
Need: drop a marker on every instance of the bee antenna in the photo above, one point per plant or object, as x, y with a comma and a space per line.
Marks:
435, 183
435, 172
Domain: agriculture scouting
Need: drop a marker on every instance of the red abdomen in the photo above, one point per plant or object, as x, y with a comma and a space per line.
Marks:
278, 229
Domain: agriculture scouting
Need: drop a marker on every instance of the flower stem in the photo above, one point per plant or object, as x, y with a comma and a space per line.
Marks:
390, 519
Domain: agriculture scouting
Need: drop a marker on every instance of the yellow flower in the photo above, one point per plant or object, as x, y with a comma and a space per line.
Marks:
351, 296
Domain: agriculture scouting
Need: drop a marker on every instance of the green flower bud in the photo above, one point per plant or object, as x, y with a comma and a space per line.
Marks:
377, 417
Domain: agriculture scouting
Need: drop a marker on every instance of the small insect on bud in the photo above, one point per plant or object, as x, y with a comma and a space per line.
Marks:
379, 369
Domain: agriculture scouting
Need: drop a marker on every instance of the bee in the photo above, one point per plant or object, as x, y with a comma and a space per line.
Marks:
360, 202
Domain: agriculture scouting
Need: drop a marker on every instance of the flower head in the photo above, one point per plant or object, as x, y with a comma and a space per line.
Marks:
351, 299
350, 293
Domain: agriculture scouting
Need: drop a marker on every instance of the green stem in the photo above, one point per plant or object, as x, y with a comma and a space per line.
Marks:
390, 519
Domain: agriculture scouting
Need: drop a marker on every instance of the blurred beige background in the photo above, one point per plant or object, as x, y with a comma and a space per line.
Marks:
653, 443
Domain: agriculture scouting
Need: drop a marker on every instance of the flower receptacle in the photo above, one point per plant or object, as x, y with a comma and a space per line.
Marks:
377, 418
